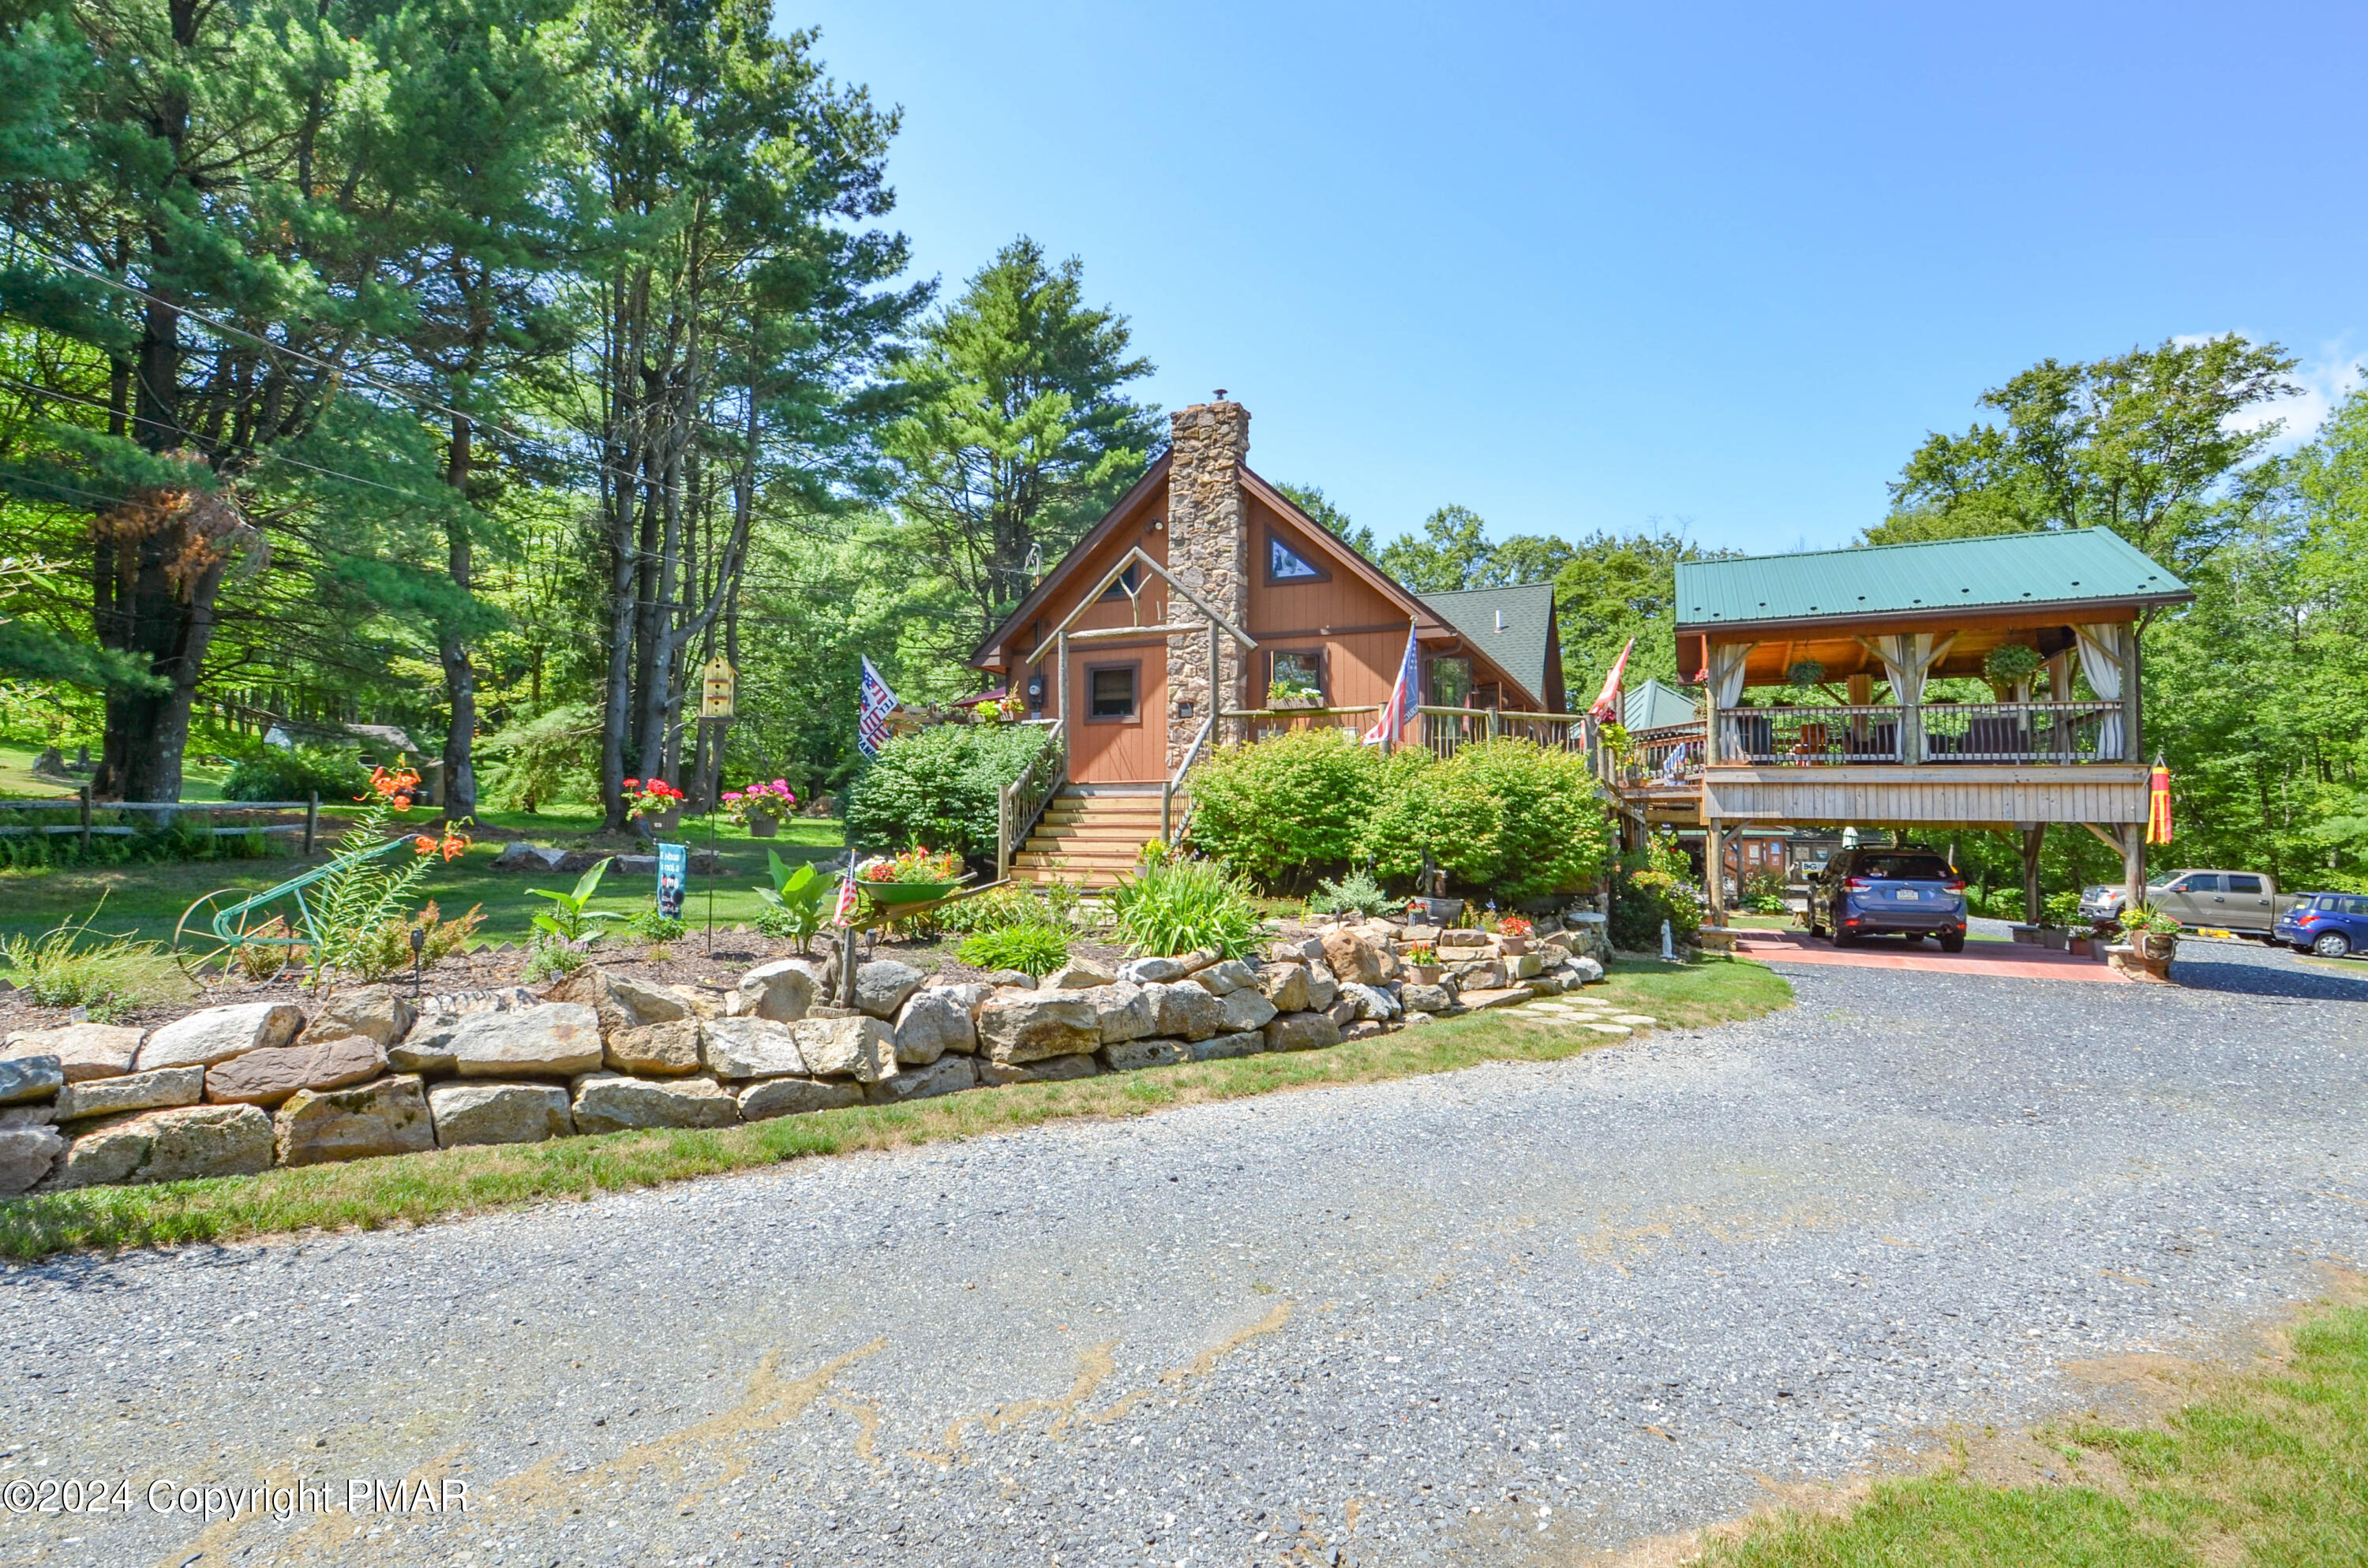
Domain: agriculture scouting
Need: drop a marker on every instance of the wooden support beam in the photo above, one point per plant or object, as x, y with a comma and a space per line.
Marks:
2033, 836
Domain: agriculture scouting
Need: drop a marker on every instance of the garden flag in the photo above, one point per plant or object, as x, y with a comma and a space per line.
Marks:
843, 913
2158, 805
1397, 713
872, 711
1607, 705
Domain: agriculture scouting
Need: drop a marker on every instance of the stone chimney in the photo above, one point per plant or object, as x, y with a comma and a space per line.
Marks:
1207, 548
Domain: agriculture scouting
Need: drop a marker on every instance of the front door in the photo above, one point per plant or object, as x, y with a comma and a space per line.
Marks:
1117, 715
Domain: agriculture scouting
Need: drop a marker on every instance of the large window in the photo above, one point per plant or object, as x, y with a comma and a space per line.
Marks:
1300, 672
1451, 681
1110, 689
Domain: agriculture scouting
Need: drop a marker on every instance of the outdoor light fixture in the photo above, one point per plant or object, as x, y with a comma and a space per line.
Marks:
418, 943
1184, 708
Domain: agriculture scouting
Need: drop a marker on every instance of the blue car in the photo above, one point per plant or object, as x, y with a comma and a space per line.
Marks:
2328, 924
1889, 892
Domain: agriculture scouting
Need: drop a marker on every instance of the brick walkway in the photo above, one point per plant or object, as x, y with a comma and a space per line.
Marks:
2007, 960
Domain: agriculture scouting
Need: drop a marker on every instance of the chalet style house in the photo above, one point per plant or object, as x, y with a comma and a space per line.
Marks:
1205, 588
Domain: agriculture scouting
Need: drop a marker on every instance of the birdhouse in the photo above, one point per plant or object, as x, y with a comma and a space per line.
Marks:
716, 687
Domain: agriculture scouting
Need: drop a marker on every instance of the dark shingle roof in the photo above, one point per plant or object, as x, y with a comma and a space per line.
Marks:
1512, 626
1990, 572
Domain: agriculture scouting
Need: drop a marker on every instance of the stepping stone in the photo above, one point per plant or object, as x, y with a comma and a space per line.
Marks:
1636, 1020
1608, 1029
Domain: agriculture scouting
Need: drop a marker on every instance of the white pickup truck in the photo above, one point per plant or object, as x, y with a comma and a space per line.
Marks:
2247, 903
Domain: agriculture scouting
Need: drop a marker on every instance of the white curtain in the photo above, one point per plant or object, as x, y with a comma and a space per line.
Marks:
1726, 690
2100, 661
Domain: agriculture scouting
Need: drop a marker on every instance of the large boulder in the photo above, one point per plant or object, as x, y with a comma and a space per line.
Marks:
1049, 1070
1246, 1008
84, 1050
1187, 1010
132, 1092
1522, 966
662, 1050
1353, 955
26, 1154
1080, 974
1015, 1028
1133, 1055
559, 1039
1302, 1031
25, 1078
1126, 1011
389, 1117
794, 1096
934, 1023
1583, 971
219, 1034
611, 1102
380, 1011
1151, 971
751, 1048
1372, 1003
1285, 985
863, 1049
180, 1144
970, 994
1432, 999
1217, 1048
269, 1077
1322, 987
619, 1001
1225, 978
428, 1048
882, 986
481, 1112
783, 991
948, 1075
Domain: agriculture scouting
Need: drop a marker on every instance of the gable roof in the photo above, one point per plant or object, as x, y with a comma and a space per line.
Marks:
2082, 568
1653, 706
1513, 627
1034, 599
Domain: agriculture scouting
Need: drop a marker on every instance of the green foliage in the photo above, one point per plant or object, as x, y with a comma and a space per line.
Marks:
939, 787
650, 928
1181, 906
111, 976
1804, 674
548, 959
385, 948
1286, 807
2061, 909
1357, 892
1763, 891
1448, 557
993, 910
2011, 663
797, 902
363, 893
1516, 819
1033, 949
269, 773
1649, 888
571, 919
1615, 587
1311, 500
552, 758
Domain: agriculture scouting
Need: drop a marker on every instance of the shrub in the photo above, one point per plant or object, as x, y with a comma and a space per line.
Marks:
1283, 808
649, 927
1508, 815
552, 758
994, 910
1763, 891
938, 786
385, 949
1178, 906
1356, 894
1035, 950
272, 773
549, 960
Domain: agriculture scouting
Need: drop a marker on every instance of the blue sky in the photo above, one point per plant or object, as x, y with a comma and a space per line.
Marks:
1582, 268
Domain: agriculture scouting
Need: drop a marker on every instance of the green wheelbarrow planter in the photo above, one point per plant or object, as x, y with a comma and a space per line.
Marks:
891, 895
230, 921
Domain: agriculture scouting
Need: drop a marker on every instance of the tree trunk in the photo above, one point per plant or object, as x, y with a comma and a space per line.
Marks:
459, 672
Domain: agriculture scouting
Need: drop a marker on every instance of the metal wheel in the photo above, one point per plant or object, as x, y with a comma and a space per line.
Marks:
2331, 945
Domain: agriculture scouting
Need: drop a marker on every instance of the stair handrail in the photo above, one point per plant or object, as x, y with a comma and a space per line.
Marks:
1168, 791
1019, 804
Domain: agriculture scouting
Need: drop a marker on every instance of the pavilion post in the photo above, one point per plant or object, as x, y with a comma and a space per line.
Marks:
2033, 834
2134, 878
1715, 865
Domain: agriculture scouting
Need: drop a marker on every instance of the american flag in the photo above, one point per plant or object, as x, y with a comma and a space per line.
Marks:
843, 913
1397, 714
873, 708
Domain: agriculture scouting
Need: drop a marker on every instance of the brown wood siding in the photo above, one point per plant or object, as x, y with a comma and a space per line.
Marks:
1344, 600
1135, 530
1127, 750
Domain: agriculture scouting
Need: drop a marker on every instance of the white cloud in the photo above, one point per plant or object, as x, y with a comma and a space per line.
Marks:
2324, 379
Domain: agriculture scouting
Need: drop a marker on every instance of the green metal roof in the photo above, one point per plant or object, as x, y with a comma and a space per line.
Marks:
1995, 570
1510, 625
1653, 706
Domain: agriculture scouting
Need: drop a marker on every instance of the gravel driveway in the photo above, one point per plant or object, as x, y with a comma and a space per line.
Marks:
1503, 1315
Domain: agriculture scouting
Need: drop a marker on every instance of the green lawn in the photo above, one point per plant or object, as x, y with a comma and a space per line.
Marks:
2268, 1466
413, 1189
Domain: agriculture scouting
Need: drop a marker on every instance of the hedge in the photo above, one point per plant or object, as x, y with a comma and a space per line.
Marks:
939, 787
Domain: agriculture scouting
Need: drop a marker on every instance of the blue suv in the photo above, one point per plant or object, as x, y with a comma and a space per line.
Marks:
1904, 893
2328, 924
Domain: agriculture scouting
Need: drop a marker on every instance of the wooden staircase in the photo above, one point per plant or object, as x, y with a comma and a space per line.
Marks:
1089, 835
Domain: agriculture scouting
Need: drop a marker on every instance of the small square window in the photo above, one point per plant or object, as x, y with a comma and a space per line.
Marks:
1300, 672
1113, 694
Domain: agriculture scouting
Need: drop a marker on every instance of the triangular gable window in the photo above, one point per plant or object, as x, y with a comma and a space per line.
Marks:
1284, 564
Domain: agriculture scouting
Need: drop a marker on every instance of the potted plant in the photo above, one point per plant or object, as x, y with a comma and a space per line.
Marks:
1513, 935
1283, 693
1422, 964
917, 875
2151, 933
760, 807
654, 803
998, 710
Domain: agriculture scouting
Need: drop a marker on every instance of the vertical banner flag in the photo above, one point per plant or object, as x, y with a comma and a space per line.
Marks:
2158, 805
1607, 705
1397, 713
673, 868
872, 708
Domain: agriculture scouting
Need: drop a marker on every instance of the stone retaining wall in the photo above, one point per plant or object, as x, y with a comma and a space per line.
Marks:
235, 1090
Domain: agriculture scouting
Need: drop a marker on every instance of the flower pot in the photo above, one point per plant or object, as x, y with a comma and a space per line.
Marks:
2079, 947
1512, 947
1275, 704
659, 824
1424, 974
2162, 946
763, 826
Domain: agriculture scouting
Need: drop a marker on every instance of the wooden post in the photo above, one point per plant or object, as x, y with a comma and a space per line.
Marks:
85, 793
2132, 709
311, 820
1061, 676
1216, 685
2034, 834
1715, 865
2134, 878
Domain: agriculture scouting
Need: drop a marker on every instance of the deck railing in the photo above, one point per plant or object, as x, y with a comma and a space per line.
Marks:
2060, 732
1662, 758
1021, 803
1439, 730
